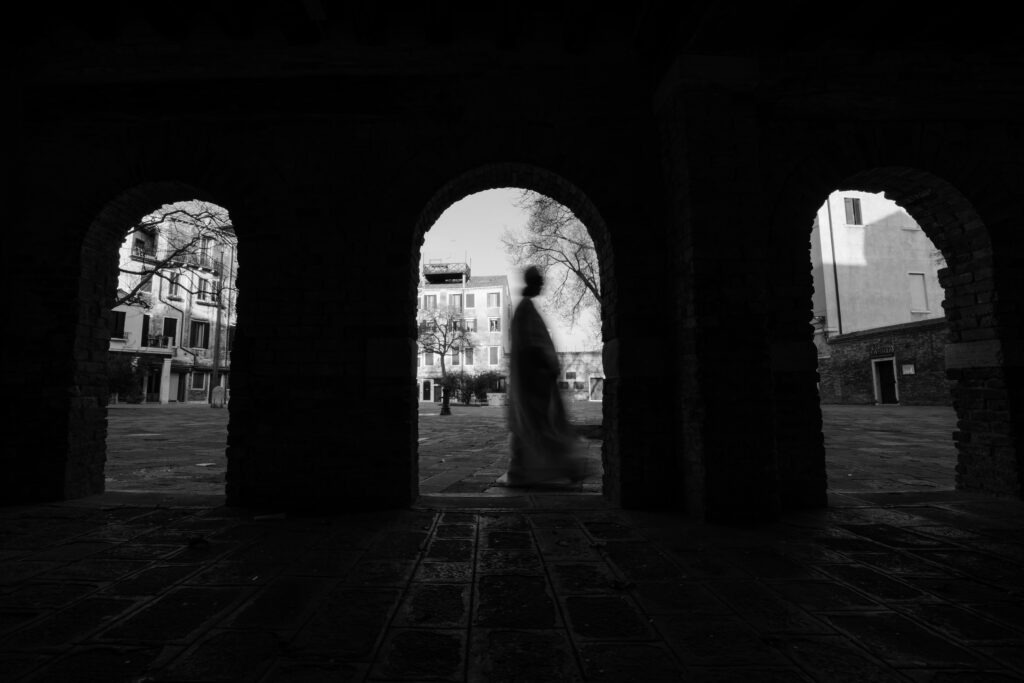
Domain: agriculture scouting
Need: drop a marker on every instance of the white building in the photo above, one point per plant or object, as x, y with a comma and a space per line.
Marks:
177, 284
485, 311
878, 315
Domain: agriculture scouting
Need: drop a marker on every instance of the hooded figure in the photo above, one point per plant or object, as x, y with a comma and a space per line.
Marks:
542, 442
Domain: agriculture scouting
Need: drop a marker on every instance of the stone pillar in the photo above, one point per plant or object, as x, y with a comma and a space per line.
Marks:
725, 411
165, 381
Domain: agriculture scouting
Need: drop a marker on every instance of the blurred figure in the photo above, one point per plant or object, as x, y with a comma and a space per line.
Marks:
542, 441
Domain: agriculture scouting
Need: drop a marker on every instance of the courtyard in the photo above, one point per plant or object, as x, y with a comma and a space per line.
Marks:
179, 449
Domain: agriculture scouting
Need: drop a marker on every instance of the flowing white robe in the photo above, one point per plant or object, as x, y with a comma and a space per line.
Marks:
542, 441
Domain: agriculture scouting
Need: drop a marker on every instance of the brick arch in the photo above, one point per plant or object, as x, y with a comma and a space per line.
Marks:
97, 284
551, 184
987, 459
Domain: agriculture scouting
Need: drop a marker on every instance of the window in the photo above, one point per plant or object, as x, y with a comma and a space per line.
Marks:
147, 284
171, 330
469, 324
455, 356
199, 335
469, 355
419, 359
563, 384
471, 301
204, 289
145, 331
118, 331
493, 300
429, 302
428, 357
494, 325
494, 355
455, 301
577, 386
172, 288
198, 380
570, 375
853, 216
918, 293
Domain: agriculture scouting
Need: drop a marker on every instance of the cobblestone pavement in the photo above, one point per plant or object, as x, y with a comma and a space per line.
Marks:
180, 449
118, 588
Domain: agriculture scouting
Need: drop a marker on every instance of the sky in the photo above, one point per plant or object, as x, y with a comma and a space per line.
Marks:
471, 229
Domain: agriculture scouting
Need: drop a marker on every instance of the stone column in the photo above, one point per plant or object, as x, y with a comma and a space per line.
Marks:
165, 381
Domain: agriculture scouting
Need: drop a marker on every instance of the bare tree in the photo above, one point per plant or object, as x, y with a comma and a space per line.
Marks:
166, 242
557, 242
440, 331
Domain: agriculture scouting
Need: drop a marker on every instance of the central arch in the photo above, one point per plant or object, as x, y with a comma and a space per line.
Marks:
551, 184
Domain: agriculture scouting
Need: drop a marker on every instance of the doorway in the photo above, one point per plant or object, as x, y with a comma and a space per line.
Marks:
886, 391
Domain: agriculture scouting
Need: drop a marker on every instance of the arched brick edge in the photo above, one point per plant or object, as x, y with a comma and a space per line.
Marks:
548, 183
988, 460
97, 286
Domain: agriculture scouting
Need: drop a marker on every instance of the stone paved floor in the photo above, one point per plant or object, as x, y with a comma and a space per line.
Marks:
119, 588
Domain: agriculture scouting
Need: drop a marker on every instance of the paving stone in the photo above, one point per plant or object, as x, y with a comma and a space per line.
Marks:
96, 570
102, 664
450, 550
872, 582
836, 659
455, 531
514, 602
175, 615
994, 569
768, 564
716, 641
962, 625
505, 521
629, 662
41, 596
501, 656
441, 605
153, 580
765, 610
641, 561
418, 655
509, 540
901, 564
290, 670
380, 572
743, 675
961, 590
348, 623
509, 562
844, 544
234, 573
901, 642
708, 564
932, 676
1011, 655
12, 573
136, 551
69, 625
680, 596
578, 577
606, 618
609, 530
399, 546
894, 537
325, 561
566, 544
227, 656
17, 665
1007, 612
817, 596
458, 518
280, 605
444, 572
554, 520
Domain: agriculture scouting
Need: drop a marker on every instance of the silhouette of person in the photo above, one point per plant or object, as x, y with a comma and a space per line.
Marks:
542, 442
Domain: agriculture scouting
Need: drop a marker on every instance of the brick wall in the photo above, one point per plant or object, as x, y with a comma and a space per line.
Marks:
847, 375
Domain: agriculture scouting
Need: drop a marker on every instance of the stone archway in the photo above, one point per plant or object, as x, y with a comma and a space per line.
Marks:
551, 184
97, 284
976, 355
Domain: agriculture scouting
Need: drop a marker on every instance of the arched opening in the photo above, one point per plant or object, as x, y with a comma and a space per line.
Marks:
449, 274
880, 334
971, 348
153, 345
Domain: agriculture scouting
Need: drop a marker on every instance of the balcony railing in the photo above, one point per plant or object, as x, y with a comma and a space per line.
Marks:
144, 253
160, 342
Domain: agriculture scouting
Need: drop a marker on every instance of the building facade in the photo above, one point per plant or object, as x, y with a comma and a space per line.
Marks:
479, 304
175, 317
878, 321
582, 375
